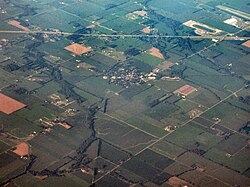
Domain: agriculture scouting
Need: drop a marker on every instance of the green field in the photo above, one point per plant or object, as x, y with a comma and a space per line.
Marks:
112, 117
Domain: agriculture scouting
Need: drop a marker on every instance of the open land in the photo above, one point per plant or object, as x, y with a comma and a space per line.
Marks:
146, 30
18, 25
124, 93
156, 52
185, 90
247, 43
77, 49
22, 149
9, 105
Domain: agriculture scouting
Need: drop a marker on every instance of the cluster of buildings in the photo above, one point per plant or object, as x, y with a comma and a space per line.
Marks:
124, 74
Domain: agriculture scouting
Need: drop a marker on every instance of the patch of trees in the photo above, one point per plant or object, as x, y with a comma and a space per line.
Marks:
75, 37
81, 158
155, 102
33, 46
112, 45
34, 59
116, 174
46, 172
56, 74
105, 105
67, 89
132, 51
109, 6
91, 119
199, 152
185, 43
11, 67
15, 89
112, 5
170, 23
246, 128
23, 23
247, 84
245, 99
177, 71
21, 90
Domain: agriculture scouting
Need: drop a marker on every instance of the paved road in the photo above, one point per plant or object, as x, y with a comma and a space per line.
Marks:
128, 35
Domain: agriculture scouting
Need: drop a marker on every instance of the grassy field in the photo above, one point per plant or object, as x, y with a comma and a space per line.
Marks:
97, 86
238, 162
149, 59
188, 136
129, 145
137, 122
214, 169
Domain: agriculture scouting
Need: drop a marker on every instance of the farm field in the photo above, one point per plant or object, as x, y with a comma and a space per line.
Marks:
118, 93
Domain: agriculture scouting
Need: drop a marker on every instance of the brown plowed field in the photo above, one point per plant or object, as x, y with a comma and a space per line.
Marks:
22, 149
156, 52
176, 182
246, 44
9, 105
18, 25
146, 30
77, 49
185, 90
140, 13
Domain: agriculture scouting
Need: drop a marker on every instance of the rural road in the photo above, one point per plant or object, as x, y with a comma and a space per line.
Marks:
127, 35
